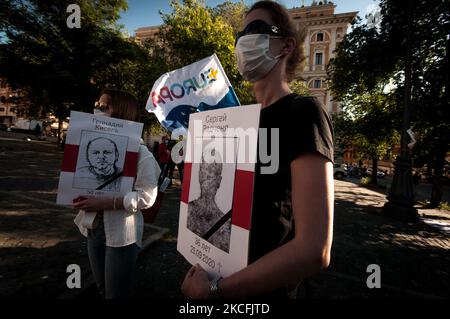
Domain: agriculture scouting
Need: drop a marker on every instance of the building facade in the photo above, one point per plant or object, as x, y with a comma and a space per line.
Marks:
324, 31
8, 110
147, 33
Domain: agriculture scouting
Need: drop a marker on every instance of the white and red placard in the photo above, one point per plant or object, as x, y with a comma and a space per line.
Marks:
100, 157
217, 194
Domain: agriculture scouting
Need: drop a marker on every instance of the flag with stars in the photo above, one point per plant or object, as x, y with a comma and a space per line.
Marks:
197, 87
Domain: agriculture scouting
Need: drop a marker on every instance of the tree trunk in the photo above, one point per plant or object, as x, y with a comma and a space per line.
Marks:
60, 122
443, 143
374, 179
437, 187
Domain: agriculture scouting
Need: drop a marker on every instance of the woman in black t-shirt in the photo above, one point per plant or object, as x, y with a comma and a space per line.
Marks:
292, 220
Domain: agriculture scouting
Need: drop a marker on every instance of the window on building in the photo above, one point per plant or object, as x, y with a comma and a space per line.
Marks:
3, 99
317, 84
2, 109
12, 110
319, 37
319, 58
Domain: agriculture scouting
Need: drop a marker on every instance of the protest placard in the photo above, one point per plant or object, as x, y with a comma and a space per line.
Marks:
100, 157
217, 194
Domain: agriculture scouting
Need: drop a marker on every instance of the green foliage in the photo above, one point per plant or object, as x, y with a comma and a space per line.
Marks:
367, 124
360, 64
370, 115
368, 59
444, 206
52, 64
192, 32
58, 69
231, 12
299, 87
365, 180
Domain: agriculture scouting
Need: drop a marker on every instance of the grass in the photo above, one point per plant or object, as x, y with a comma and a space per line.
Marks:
366, 182
445, 206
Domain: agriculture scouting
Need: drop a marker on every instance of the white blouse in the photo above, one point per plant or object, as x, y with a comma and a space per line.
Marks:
125, 227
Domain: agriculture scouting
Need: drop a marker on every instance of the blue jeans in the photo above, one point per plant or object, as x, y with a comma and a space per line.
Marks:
113, 267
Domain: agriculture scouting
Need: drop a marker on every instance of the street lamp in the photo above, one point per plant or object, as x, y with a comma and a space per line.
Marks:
401, 201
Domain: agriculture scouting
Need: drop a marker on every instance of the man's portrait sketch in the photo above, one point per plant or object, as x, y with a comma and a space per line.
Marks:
102, 171
205, 218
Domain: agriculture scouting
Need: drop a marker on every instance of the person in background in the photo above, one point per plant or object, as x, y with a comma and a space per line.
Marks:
114, 225
164, 158
180, 165
350, 170
171, 163
155, 150
37, 130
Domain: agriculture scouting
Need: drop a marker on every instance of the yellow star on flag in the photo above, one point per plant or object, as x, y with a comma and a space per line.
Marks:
213, 74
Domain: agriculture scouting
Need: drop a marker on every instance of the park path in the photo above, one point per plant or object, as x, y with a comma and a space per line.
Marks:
38, 239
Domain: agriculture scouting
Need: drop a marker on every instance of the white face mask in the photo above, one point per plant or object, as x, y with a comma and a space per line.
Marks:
253, 56
98, 112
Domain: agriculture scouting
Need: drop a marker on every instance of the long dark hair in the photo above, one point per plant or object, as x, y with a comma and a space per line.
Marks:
123, 105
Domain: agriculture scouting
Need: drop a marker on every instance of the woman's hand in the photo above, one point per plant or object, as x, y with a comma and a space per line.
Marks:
196, 283
91, 203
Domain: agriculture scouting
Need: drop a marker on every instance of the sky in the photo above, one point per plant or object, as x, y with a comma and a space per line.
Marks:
143, 13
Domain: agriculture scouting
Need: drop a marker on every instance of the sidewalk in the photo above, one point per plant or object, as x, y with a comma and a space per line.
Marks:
414, 258
422, 191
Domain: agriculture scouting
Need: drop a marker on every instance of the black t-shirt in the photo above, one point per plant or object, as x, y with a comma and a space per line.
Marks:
304, 127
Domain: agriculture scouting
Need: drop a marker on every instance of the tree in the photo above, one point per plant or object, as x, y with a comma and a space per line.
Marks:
231, 12
369, 58
192, 32
367, 125
53, 64
369, 114
430, 62
299, 87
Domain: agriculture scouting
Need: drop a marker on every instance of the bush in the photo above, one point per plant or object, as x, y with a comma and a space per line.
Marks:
366, 181
444, 206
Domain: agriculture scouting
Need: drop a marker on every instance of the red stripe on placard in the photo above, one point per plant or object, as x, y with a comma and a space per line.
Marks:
242, 199
69, 163
130, 165
186, 182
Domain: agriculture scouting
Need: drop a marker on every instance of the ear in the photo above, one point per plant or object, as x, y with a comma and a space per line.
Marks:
289, 46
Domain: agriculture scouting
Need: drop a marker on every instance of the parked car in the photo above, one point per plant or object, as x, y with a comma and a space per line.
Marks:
380, 173
339, 171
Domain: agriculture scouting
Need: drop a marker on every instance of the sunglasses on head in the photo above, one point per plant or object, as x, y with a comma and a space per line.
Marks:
259, 27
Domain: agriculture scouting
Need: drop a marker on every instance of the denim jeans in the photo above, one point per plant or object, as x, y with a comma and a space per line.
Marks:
164, 170
113, 267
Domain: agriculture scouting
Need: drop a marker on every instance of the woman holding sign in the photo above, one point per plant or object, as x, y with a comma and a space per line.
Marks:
114, 226
292, 225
